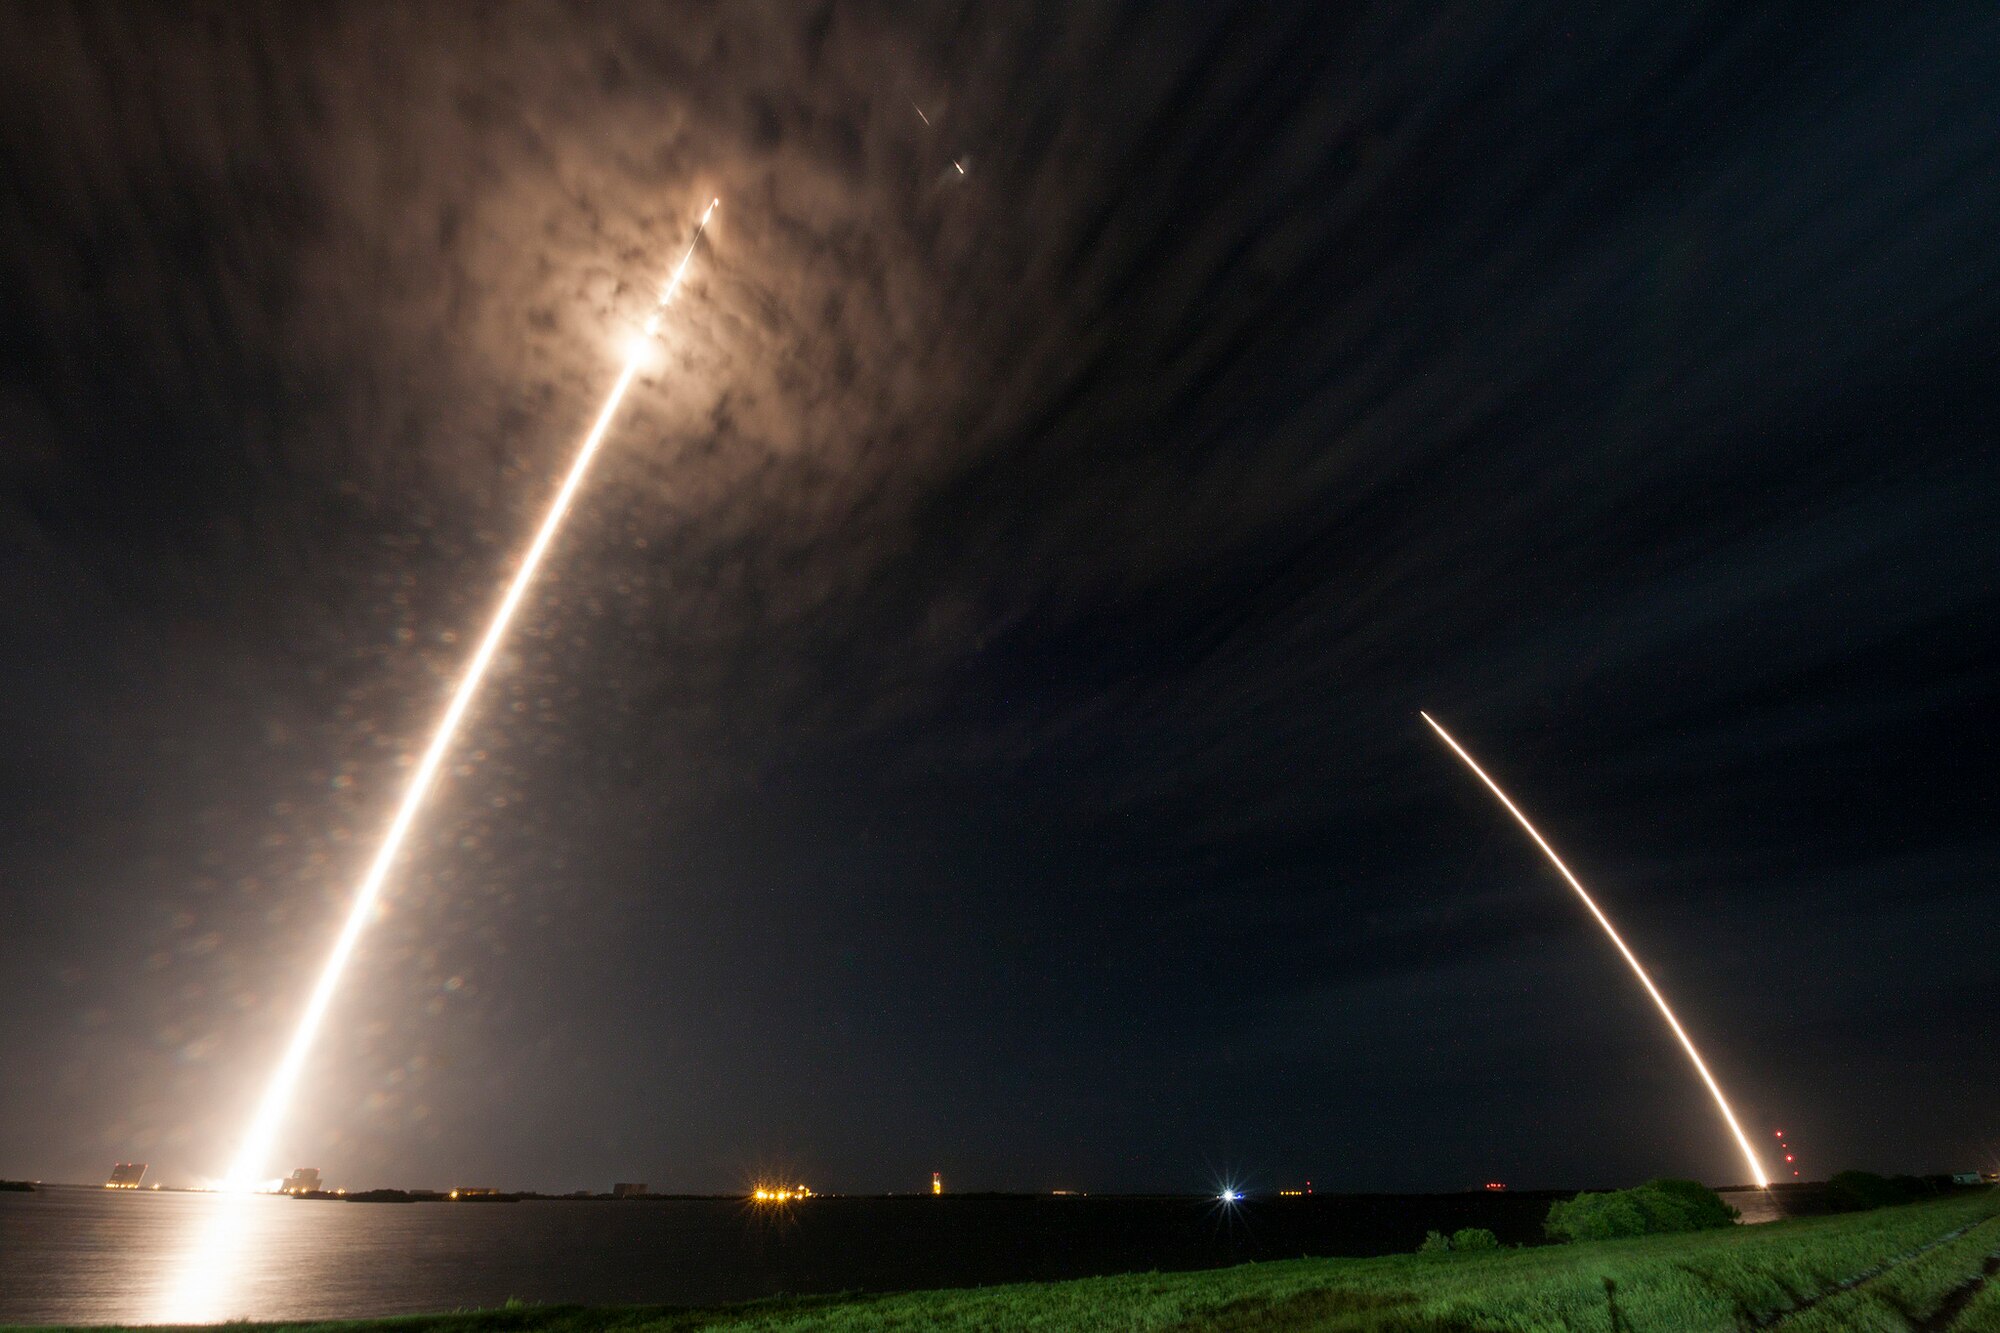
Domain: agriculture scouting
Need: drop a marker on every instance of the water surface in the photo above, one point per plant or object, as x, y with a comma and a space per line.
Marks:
71, 1255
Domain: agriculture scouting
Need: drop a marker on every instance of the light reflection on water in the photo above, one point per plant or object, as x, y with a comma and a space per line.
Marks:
94, 1256
209, 1280
1755, 1205
89, 1257
85, 1256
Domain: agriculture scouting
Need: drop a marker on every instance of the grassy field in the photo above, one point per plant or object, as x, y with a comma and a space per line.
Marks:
1909, 1268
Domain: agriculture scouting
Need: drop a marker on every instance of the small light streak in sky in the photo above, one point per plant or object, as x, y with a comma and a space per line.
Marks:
1680, 1033
920, 113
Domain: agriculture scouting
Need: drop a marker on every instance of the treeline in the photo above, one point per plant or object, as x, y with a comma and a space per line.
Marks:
1858, 1191
1654, 1208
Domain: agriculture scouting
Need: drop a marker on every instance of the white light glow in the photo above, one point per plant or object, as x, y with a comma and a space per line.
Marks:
1687, 1044
252, 1156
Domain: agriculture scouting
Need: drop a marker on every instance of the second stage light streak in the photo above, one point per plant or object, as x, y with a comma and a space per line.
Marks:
254, 1152
1659, 1000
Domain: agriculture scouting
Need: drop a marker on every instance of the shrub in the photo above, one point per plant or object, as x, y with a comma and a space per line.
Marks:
1595, 1217
1684, 1205
1657, 1207
1463, 1240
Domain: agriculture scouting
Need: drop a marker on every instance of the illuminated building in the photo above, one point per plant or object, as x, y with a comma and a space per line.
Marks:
779, 1193
486, 1191
937, 1182
305, 1180
629, 1189
126, 1176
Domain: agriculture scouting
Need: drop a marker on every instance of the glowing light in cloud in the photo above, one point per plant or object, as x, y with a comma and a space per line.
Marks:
1687, 1043
253, 1153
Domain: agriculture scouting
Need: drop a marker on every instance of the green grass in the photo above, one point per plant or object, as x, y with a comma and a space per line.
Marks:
1891, 1269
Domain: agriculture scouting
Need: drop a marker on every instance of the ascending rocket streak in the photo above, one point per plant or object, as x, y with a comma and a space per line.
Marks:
1687, 1044
255, 1150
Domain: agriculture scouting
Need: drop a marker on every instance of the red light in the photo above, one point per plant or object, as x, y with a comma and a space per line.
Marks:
1779, 1135
1788, 1157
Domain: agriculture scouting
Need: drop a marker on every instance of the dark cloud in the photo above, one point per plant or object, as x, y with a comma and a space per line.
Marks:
970, 720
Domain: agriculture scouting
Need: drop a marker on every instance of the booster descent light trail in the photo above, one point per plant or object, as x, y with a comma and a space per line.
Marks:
1687, 1043
255, 1150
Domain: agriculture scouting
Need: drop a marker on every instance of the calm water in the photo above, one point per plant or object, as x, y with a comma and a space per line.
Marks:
92, 1256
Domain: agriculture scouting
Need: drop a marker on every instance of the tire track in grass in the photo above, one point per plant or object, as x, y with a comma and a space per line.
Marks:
1946, 1315
1751, 1321
1883, 1269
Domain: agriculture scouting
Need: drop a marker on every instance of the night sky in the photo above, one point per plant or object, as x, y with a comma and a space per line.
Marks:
970, 722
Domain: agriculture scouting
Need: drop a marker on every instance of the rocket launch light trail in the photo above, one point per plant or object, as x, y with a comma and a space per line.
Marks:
1687, 1043
253, 1153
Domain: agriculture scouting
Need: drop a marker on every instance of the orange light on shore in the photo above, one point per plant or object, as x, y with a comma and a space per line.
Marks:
1659, 1000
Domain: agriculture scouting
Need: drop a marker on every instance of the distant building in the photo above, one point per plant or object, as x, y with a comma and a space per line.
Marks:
485, 1191
126, 1176
779, 1193
1968, 1178
305, 1180
629, 1189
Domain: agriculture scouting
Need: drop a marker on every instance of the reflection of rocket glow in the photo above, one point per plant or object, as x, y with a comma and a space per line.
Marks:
1687, 1044
253, 1154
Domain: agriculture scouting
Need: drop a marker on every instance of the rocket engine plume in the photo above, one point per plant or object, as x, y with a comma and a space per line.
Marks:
255, 1149
1659, 1000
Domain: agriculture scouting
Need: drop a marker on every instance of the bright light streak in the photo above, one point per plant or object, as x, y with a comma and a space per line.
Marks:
1687, 1044
248, 1170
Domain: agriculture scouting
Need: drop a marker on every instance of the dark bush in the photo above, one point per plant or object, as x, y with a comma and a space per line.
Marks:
1857, 1191
1464, 1240
1655, 1208
1595, 1217
1685, 1205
